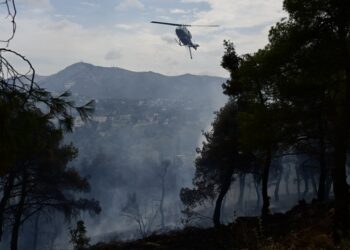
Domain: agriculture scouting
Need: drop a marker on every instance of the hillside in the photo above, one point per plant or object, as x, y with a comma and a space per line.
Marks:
306, 226
103, 83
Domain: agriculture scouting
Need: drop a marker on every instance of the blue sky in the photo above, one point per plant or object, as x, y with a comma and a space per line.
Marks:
56, 33
109, 12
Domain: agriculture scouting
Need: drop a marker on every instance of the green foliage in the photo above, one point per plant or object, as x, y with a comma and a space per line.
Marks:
214, 160
292, 95
19, 97
78, 237
33, 162
230, 62
39, 178
219, 158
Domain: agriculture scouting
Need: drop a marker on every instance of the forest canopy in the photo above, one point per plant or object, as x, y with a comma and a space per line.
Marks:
291, 97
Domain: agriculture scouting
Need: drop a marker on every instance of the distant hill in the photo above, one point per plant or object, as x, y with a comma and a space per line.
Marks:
110, 82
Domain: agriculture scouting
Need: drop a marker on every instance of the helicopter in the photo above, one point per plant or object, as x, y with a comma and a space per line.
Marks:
184, 35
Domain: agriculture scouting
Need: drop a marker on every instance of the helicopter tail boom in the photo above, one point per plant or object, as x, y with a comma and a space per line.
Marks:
189, 49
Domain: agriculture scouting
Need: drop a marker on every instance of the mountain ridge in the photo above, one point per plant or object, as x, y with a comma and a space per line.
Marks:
82, 63
112, 82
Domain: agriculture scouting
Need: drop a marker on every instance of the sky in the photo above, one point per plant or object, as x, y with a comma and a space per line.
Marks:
53, 34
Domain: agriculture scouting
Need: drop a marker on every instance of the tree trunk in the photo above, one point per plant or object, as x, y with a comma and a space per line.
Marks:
277, 188
5, 197
287, 188
15, 232
241, 190
36, 232
265, 179
161, 204
225, 186
18, 214
286, 179
257, 184
323, 169
314, 184
329, 183
342, 123
340, 188
297, 170
306, 181
52, 237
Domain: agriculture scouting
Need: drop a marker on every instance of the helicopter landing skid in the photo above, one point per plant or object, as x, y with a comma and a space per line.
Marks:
178, 42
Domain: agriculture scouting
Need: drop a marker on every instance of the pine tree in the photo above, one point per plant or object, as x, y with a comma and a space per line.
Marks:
78, 236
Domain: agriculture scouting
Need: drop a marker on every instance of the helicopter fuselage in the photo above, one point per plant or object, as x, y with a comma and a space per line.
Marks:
185, 36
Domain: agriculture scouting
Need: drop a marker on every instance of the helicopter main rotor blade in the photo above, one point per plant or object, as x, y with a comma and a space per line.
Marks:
172, 24
187, 25
198, 25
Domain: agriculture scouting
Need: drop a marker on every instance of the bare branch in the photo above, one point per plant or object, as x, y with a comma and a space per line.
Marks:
11, 14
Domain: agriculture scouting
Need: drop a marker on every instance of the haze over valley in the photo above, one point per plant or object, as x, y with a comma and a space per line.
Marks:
142, 122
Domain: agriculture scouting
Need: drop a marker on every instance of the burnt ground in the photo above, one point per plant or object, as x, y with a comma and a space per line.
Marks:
305, 226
